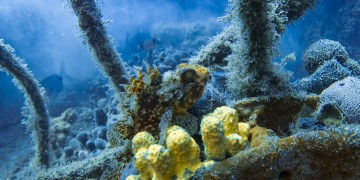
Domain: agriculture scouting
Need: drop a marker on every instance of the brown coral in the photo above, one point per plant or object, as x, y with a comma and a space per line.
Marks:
276, 113
305, 155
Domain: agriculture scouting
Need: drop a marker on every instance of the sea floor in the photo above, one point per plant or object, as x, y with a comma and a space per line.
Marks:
16, 150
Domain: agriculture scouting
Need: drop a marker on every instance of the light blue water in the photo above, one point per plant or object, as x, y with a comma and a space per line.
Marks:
45, 34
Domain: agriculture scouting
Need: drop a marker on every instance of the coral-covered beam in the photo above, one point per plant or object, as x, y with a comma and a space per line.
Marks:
26, 82
95, 34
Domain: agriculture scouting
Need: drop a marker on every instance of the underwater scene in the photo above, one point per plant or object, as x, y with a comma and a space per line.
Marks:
179, 89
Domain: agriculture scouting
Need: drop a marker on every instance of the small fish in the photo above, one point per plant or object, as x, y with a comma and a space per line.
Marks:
53, 85
150, 44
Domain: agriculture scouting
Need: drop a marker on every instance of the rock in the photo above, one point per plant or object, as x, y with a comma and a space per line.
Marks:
75, 144
275, 113
82, 137
83, 154
321, 51
306, 123
90, 145
330, 72
170, 62
102, 133
100, 143
68, 151
344, 95
102, 103
100, 117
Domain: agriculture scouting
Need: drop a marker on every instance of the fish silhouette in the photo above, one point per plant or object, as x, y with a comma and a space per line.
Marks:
149, 44
53, 85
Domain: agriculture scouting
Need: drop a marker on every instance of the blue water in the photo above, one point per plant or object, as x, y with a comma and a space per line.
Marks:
46, 35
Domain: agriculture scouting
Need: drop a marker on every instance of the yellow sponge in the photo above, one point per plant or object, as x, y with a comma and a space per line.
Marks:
142, 165
133, 177
229, 117
184, 151
159, 159
212, 131
221, 135
142, 140
234, 144
180, 156
244, 130
221, 129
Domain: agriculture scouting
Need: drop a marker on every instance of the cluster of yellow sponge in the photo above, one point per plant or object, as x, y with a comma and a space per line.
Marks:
180, 157
154, 161
221, 129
